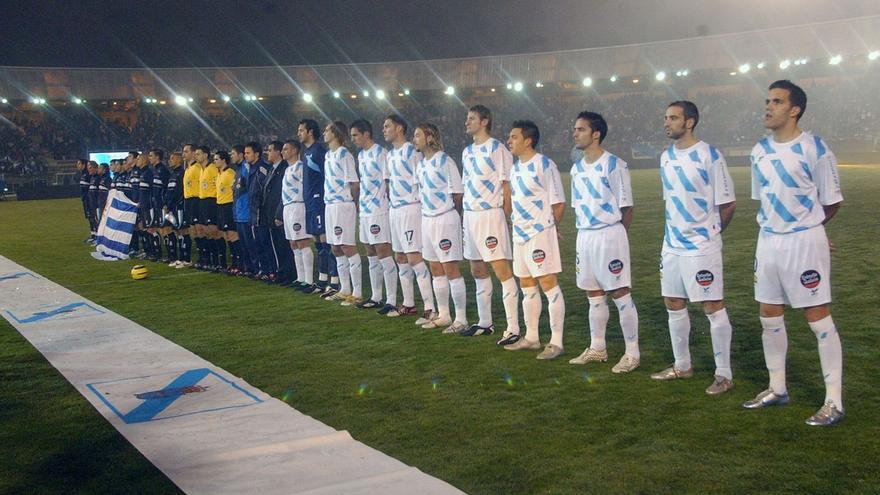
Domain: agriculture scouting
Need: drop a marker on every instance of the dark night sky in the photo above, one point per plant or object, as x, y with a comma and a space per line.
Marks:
187, 33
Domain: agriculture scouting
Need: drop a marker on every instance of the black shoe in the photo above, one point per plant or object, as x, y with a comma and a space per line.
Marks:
474, 330
368, 304
508, 338
311, 289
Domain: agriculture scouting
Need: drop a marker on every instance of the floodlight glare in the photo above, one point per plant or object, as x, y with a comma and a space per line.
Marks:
366, 94
835, 60
4, 101
78, 101
406, 92
336, 94
660, 76
180, 100
509, 85
307, 97
761, 65
517, 86
450, 90
613, 79
587, 82
874, 55
785, 64
226, 98
539, 84
744, 68
380, 94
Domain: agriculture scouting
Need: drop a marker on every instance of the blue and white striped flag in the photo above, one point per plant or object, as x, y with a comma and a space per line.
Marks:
117, 225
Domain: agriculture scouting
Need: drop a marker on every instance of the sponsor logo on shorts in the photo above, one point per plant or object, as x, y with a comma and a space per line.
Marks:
491, 242
615, 267
538, 256
297, 227
375, 229
445, 244
337, 230
705, 278
810, 279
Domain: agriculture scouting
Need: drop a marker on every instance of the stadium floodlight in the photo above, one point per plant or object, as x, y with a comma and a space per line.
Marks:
226, 98
406, 92
162, 102
190, 99
635, 81
539, 84
509, 85
785, 64
517, 86
336, 94
761, 65
366, 94
380, 94
307, 97
733, 73
660, 76
260, 98
399, 94
613, 79
874, 55
180, 100
4, 101
587, 82
835, 60
212, 100
450, 90
76, 100
492, 89
354, 97
745, 68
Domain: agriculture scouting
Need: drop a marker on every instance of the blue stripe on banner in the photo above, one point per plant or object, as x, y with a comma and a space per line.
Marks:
119, 247
119, 226
123, 206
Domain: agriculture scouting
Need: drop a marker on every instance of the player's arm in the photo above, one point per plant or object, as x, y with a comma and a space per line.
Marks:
725, 211
830, 211
626, 216
828, 184
355, 194
506, 203
725, 197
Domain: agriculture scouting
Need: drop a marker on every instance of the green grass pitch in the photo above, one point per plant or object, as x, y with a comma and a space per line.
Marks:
486, 420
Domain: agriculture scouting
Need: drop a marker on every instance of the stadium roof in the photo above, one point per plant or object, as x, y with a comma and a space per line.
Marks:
226, 33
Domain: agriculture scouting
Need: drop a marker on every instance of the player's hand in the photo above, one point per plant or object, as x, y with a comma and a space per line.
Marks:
278, 223
831, 246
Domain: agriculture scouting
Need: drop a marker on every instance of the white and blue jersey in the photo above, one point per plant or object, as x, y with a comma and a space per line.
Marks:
292, 184
485, 166
535, 187
438, 181
599, 190
793, 180
403, 184
695, 182
339, 172
374, 194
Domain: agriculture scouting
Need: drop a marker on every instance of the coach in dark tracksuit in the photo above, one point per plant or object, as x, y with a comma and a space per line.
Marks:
84, 184
245, 175
262, 251
281, 257
104, 183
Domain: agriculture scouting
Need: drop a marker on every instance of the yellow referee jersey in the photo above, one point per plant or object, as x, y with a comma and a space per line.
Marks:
191, 180
224, 186
208, 182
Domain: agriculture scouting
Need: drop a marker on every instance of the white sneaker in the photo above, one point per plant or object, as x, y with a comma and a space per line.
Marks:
590, 355
626, 364
426, 318
550, 351
456, 327
438, 323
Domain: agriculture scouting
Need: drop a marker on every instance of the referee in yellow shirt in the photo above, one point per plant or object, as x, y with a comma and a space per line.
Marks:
225, 216
189, 228
208, 251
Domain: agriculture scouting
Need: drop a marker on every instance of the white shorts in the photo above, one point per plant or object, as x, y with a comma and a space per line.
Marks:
696, 278
341, 221
406, 228
602, 259
486, 236
793, 269
441, 237
538, 256
375, 229
294, 217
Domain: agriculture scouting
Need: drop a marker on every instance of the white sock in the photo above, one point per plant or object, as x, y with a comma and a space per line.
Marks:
459, 298
721, 331
405, 272
298, 262
441, 292
344, 279
531, 305
423, 277
389, 272
308, 260
598, 317
334, 280
556, 309
375, 278
510, 298
775, 347
356, 271
831, 357
679, 334
484, 301
629, 324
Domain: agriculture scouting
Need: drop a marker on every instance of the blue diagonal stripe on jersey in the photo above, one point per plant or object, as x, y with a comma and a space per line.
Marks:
429, 182
713, 152
766, 145
427, 201
575, 191
612, 163
441, 196
668, 237
804, 200
441, 178
406, 185
688, 186
538, 227
472, 189
758, 175
605, 182
694, 156
702, 203
489, 163
489, 185
667, 214
484, 205
682, 210
685, 243
820, 146
406, 166
520, 232
475, 166
495, 145
783, 174
666, 184
702, 231
522, 212
589, 216
704, 174
522, 187
592, 190
806, 168
539, 204
607, 207
670, 152
761, 214
797, 149
780, 208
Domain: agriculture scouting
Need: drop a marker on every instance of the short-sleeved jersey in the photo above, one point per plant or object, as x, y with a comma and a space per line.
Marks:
313, 176
339, 172
225, 181
599, 190
484, 167
208, 182
191, 181
439, 179
534, 187
373, 197
793, 180
292, 183
695, 182
403, 184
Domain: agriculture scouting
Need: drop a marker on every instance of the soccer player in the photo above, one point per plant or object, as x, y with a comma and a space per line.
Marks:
538, 205
279, 260
92, 197
405, 218
190, 229
104, 183
341, 191
700, 202
794, 176
209, 250
84, 185
173, 205
292, 215
257, 172
441, 191
145, 206
225, 217
601, 195
313, 183
134, 187
157, 220
486, 165
375, 227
